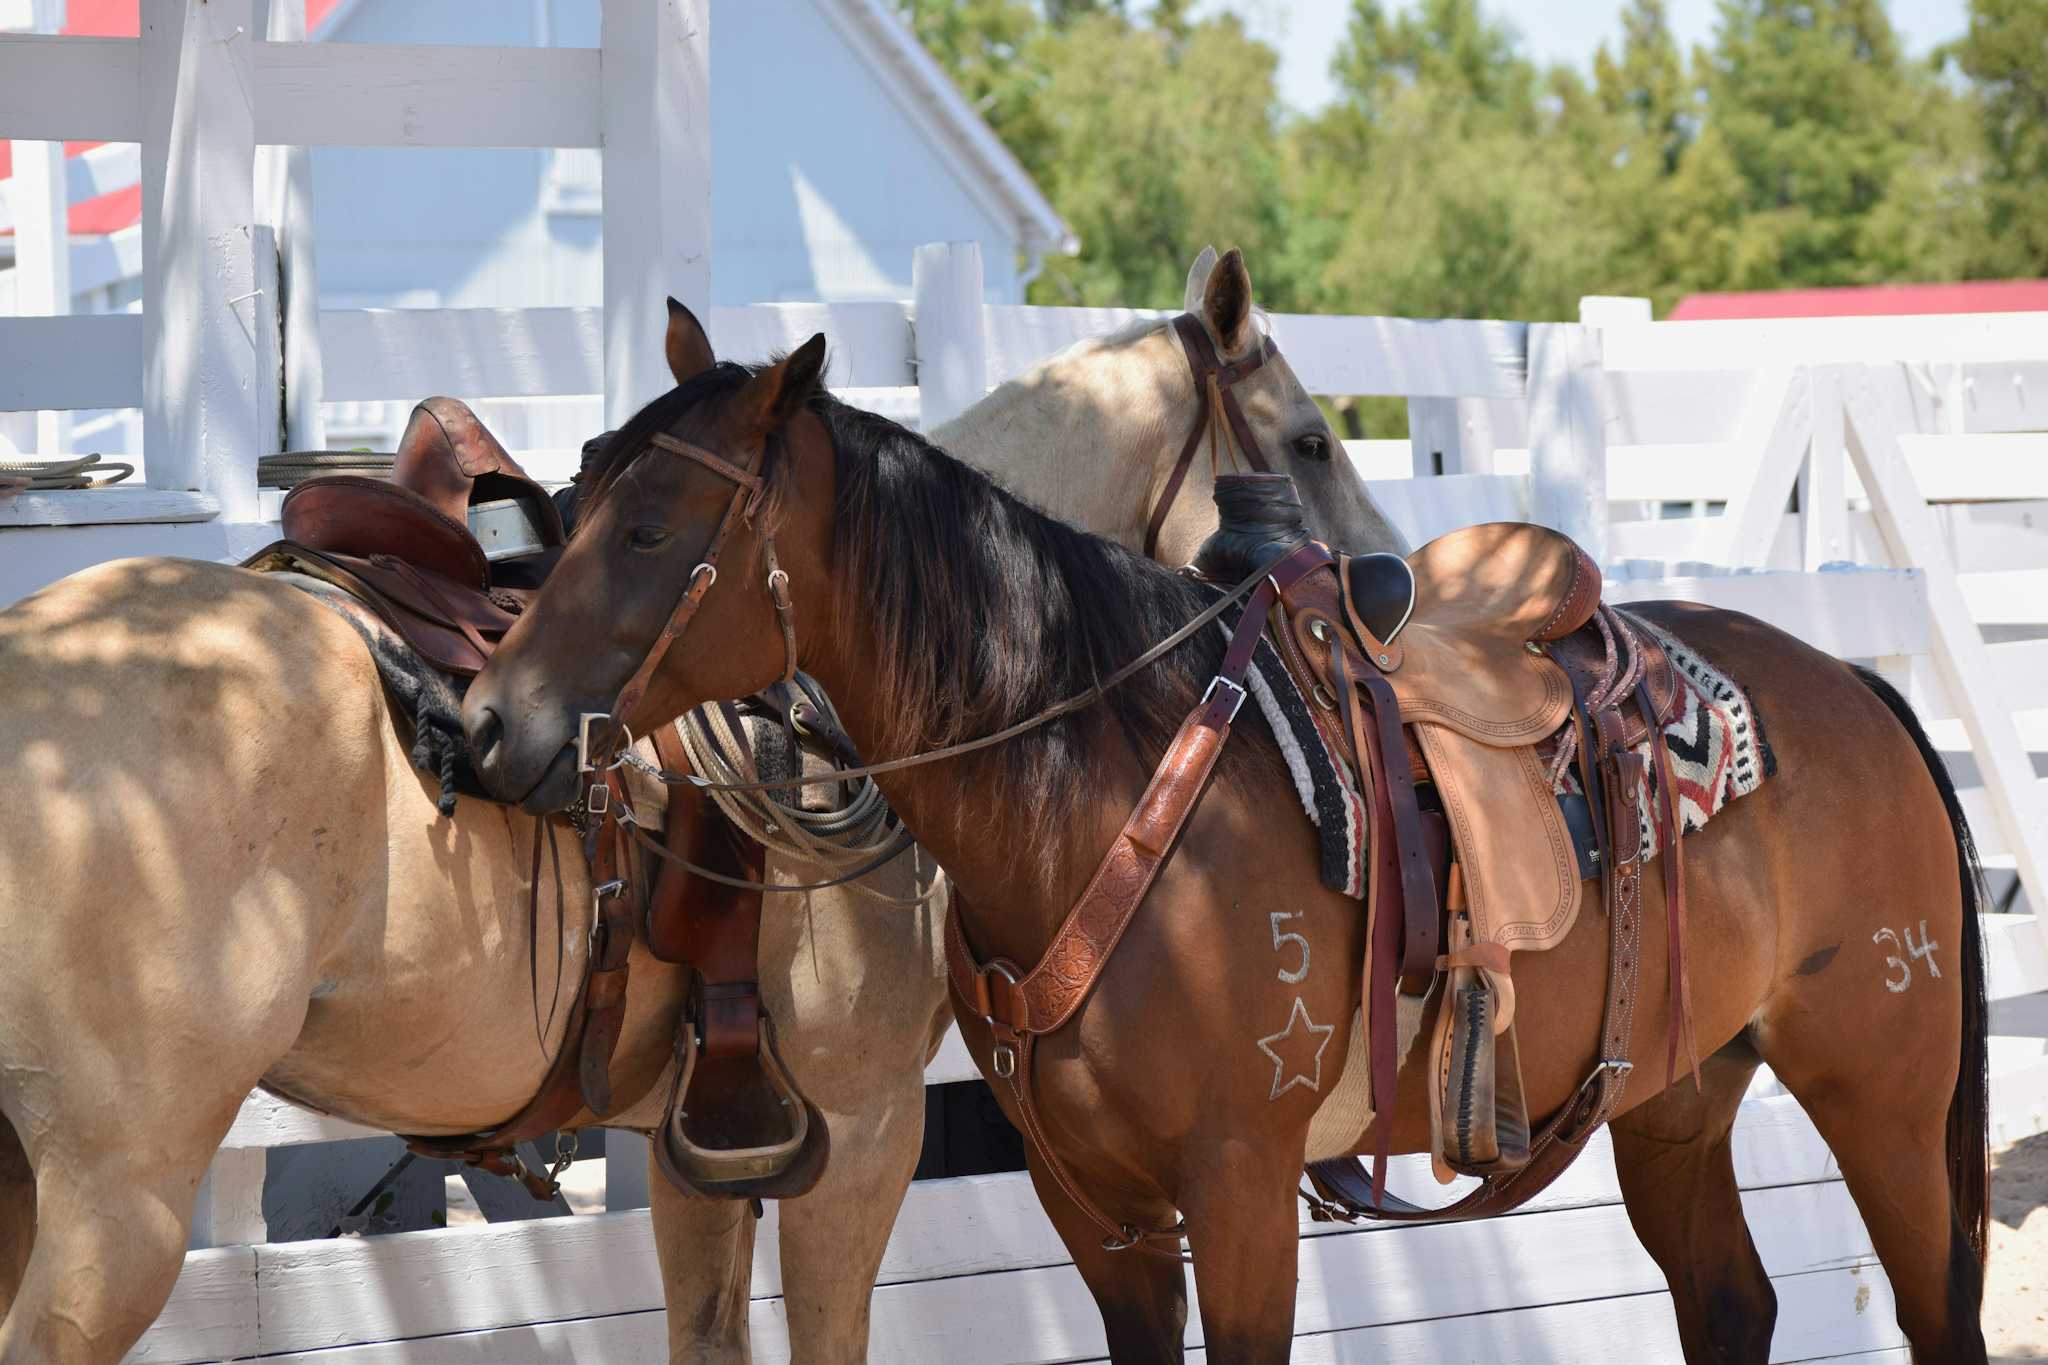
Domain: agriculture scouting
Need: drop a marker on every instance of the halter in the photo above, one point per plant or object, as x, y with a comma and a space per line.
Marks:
1217, 414
749, 488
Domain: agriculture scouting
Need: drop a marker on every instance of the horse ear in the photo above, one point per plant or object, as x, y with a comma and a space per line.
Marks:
1198, 280
688, 349
1227, 305
779, 392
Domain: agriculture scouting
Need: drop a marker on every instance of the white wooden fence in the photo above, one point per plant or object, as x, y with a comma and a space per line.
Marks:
1580, 424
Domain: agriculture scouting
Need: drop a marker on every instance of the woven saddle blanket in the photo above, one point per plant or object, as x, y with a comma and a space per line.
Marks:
1716, 741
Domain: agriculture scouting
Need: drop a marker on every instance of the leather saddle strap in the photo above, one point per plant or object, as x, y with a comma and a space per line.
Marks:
611, 945
1206, 365
1050, 994
1553, 1149
1671, 843
714, 928
1019, 1011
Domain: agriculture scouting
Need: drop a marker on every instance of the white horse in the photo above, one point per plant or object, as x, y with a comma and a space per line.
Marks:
221, 869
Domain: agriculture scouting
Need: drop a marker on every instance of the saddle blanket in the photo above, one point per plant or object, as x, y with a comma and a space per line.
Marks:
1716, 742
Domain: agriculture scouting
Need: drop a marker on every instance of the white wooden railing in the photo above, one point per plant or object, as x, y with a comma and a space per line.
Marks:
1579, 424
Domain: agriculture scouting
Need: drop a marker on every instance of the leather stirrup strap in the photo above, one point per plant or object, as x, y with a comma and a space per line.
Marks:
1348, 1192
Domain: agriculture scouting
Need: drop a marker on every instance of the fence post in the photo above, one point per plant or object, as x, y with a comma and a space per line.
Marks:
284, 197
1823, 496
626, 1155
950, 349
42, 237
1450, 436
1568, 433
656, 125
200, 382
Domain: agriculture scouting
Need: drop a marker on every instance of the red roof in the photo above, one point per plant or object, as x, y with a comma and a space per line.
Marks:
1875, 300
120, 208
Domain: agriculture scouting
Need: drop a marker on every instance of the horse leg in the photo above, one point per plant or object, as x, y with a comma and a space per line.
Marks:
1245, 1238
1677, 1174
705, 1248
1143, 1298
111, 1223
1881, 1095
833, 1238
17, 1214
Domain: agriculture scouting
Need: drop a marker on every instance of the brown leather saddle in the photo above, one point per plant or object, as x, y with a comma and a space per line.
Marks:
1437, 679
447, 554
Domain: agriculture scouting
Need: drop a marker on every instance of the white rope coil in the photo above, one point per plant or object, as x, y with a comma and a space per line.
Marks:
837, 838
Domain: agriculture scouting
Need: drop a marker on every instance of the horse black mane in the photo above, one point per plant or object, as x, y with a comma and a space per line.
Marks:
985, 610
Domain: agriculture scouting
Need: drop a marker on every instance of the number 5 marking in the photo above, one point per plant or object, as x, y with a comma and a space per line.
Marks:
1280, 940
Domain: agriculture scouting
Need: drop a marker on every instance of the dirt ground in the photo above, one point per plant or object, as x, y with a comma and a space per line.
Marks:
2016, 1292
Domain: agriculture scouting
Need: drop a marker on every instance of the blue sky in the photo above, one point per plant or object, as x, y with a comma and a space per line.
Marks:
1307, 31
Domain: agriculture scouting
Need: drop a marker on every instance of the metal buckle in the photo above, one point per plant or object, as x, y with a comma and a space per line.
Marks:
584, 723
597, 798
1004, 1060
1220, 681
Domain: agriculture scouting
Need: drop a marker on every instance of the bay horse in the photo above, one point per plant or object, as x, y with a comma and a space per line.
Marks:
937, 609
231, 873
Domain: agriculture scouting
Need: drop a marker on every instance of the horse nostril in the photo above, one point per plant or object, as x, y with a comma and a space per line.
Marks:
485, 732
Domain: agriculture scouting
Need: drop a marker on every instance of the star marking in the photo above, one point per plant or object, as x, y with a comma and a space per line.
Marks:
1285, 1074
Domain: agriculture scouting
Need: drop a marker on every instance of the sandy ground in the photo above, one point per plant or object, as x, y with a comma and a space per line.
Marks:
2016, 1292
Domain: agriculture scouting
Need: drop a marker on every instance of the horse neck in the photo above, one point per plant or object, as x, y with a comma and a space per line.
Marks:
1088, 435
1014, 884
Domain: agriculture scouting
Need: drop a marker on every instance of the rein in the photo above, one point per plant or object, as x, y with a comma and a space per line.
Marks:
1077, 702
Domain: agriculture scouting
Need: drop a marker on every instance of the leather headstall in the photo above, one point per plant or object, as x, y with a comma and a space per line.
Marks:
749, 488
1213, 383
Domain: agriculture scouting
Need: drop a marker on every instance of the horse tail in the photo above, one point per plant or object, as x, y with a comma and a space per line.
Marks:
1969, 1108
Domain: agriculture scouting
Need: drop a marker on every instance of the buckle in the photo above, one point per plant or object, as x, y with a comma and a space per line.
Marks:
584, 723
597, 798
1004, 1060
1220, 681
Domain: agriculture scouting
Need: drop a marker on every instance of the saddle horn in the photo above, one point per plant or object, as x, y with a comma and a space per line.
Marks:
1259, 518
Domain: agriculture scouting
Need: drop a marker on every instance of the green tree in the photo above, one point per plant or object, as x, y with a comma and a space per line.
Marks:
1828, 128
2005, 55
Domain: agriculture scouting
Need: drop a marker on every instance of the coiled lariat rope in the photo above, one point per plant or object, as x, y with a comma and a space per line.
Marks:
840, 837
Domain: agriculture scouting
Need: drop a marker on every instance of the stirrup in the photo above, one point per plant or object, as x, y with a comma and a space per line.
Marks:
780, 1169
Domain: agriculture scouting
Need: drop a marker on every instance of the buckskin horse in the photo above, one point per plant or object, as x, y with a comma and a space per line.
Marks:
942, 613
232, 873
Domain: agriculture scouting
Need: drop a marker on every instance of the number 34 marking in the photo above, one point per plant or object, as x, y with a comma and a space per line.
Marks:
1924, 949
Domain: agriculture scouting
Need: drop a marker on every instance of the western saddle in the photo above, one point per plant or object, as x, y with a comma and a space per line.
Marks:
1434, 679
446, 555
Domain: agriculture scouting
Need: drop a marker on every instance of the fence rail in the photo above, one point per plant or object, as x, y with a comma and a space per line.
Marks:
1597, 426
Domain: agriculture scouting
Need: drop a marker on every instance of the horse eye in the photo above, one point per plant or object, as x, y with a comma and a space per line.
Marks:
1312, 447
647, 537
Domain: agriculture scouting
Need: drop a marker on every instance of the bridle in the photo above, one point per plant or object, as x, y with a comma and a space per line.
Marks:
1218, 415
598, 747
